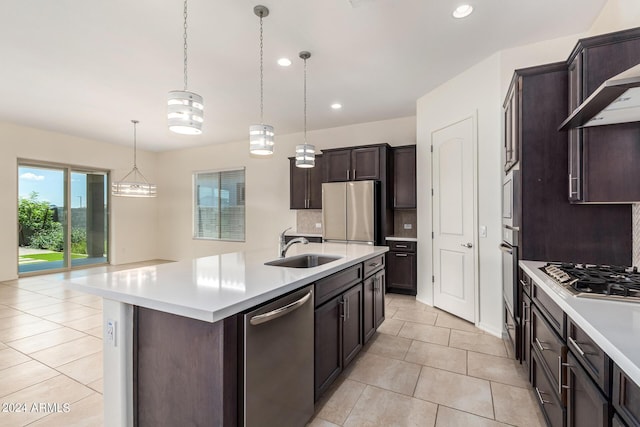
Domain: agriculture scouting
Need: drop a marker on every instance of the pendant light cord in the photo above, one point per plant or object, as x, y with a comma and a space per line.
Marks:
185, 45
261, 75
305, 101
135, 149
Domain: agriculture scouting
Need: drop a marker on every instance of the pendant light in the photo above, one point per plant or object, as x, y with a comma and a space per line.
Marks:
305, 153
261, 136
134, 184
185, 109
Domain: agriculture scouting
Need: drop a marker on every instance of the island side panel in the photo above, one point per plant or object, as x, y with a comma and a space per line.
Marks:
185, 370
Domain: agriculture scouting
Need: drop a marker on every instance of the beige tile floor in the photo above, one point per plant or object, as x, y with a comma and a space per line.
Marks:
428, 368
51, 351
423, 368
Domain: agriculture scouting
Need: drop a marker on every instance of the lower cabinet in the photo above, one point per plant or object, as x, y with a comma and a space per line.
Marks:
338, 336
626, 398
586, 405
402, 267
374, 289
550, 404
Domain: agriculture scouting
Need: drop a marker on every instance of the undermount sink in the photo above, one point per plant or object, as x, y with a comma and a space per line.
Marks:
303, 261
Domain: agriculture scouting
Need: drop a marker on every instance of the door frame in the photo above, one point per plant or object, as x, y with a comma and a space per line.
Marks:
476, 249
68, 169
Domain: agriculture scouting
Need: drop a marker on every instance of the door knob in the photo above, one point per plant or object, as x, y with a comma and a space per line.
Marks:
466, 245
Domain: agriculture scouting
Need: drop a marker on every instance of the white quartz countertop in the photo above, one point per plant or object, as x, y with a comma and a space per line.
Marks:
613, 325
215, 287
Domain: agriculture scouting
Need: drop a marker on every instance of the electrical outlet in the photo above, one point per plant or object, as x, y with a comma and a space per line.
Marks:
110, 332
408, 226
318, 225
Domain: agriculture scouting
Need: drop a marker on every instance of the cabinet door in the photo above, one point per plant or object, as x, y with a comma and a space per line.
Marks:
315, 178
586, 406
337, 165
404, 177
626, 397
575, 135
365, 163
352, 339
297, 186
378, 297
328, 344
544, 392
402, 271
511, 125
368, 321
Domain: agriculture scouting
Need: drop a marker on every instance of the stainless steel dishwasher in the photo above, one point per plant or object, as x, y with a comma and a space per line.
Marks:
278, 362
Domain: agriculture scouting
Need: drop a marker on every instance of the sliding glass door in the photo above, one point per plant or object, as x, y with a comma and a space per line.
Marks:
62, 217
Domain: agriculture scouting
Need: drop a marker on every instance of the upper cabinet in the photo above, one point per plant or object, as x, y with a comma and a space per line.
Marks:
352, 164
603, 160
511, 109
404, 177
305, 185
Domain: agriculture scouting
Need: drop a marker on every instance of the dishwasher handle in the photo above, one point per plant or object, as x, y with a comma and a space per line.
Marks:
279, 312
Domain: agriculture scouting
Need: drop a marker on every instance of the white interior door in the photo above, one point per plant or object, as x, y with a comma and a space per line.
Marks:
454, 249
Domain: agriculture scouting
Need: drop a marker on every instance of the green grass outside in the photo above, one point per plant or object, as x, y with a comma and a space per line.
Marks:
53, 256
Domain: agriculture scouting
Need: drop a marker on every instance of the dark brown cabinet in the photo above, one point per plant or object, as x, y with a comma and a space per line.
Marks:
305, 185
511, 111
626, 397
404, 177
552, 228
352, 339
550, 404
352, 164
373, 307
603, 160
586, 406
402, 267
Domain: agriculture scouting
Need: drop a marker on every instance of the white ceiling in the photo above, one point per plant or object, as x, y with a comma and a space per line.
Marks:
87, 67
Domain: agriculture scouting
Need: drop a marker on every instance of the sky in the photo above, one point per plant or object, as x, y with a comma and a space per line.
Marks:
49, 184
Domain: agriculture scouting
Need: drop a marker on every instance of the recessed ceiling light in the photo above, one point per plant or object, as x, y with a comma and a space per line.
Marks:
336, 106
284, 62
463, 11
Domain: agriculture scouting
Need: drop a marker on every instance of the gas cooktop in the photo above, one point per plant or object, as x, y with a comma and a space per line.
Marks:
597, 281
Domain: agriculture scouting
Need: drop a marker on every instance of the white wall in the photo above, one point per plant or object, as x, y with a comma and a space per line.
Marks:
133, 220
482, 88
267, 185
475, 90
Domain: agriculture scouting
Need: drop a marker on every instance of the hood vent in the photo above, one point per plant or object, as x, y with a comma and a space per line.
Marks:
616, 101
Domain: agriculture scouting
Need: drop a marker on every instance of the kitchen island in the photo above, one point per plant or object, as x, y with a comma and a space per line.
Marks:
184, 315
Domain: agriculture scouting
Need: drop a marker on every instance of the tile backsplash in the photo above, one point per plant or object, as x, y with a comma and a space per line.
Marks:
636, 234
402, 217
307, 219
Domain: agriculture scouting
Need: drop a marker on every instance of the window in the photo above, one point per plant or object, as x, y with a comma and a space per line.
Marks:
219, 205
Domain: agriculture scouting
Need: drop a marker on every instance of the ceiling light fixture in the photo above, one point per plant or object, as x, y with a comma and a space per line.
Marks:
137, 186
261, 137
463, 11
336, 106
284, 62
305, 153
185, 109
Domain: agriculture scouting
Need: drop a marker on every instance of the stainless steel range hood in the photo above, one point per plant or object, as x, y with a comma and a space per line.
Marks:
616, 101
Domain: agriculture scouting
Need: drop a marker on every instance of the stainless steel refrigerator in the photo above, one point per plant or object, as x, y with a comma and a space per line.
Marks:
349, 211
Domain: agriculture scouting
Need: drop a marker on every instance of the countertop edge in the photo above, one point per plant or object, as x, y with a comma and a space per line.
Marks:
550, 288
230, 310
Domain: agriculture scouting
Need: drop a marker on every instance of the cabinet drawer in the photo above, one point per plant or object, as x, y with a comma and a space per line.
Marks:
336, 283
525, 282
401, 246
626, 397
594, 360
543, 390
372, 265
552, 311
549, 347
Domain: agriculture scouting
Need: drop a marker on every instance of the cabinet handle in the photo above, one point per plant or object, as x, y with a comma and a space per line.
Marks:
401, 246
348, 174
540, 393
560, 385
402, 255
539, 344
342, 310
348, 306
524, 311
354, 174
375, 264
577, 347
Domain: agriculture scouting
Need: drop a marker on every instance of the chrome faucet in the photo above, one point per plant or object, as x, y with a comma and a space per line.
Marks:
284, 247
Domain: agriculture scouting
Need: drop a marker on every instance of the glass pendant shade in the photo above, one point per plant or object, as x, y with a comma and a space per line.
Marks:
135, 187
261, 139
305, 156
185, 112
